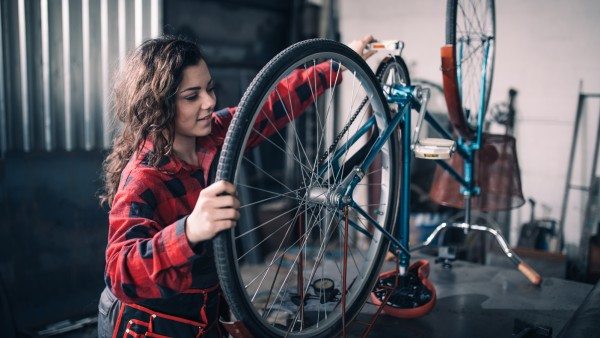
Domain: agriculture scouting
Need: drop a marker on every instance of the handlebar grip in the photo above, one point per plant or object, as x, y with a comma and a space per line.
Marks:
528, 271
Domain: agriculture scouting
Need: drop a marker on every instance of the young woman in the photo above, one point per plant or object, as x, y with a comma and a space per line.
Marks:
160, 275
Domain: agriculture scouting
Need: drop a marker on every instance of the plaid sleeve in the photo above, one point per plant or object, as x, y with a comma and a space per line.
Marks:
290, 98
145, 259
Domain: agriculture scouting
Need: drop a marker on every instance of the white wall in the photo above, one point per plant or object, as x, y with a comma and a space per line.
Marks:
544, 48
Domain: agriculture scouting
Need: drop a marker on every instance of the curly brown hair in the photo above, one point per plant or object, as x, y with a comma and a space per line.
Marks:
143, 101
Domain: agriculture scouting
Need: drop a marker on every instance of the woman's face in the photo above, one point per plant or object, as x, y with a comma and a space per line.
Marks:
195, 102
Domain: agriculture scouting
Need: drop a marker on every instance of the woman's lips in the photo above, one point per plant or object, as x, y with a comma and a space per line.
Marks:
204, 117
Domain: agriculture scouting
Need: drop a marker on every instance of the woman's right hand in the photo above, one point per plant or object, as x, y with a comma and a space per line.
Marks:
216, 210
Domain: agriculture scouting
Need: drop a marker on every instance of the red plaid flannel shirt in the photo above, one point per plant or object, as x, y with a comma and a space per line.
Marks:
148, 255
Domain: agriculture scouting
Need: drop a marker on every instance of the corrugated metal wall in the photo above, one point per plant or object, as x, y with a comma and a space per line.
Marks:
57, 60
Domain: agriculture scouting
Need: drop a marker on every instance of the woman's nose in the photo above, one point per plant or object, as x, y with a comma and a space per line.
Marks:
208, 101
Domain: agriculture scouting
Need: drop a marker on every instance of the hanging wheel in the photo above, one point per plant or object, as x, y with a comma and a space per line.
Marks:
470, 43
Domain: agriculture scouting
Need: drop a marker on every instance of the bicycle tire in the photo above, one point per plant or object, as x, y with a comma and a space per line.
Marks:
227, 258
397, 64
467, 27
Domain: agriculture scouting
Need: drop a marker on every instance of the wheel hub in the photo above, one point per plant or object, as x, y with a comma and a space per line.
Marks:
327, 197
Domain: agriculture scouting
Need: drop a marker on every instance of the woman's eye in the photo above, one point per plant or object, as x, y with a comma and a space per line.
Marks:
210, 89
191, 97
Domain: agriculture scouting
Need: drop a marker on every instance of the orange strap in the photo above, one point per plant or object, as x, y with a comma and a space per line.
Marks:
451, 91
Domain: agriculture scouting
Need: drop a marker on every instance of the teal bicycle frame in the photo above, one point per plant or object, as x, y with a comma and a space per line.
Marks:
404, 97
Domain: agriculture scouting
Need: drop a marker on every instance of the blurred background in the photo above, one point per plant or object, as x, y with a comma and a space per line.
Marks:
58, 57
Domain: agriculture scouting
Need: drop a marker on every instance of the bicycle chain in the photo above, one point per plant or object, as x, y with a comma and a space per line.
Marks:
346, 127
341, 134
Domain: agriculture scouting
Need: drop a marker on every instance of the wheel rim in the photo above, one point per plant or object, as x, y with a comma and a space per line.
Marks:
305, 227
474, 39
393, 72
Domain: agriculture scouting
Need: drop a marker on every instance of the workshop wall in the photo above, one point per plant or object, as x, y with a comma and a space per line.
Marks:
56, 67
55, 70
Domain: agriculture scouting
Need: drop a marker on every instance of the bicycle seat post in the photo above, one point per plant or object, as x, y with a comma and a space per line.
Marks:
468, 211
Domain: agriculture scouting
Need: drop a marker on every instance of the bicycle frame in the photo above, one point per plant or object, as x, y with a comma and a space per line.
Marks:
406, 99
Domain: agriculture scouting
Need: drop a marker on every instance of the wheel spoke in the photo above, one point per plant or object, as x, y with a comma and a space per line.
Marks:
276, 195
267, 174
288, 152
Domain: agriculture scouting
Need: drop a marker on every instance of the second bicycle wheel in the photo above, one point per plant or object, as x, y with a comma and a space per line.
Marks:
393, 71
471, 31
305, 266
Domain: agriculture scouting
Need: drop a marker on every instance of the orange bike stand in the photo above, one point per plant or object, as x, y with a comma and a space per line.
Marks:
422, 269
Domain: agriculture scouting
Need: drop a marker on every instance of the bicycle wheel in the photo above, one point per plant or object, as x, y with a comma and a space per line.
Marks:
297, 288
471, 31
392, 70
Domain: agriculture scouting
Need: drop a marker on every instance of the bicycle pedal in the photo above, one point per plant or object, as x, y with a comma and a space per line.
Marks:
390, 45
434, 149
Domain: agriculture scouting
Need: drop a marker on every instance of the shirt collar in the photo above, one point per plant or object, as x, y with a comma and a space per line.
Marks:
170, 163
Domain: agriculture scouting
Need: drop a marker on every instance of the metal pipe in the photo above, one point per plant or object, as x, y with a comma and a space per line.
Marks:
588, 216
501, 241
66, 117
424, 94
122, 28
156, 17
467, 208
384, 137
595, 160
88, 127
47, 105
300, 266
106, 139
431, 237
563, 209
469, 190
3, 124
405, 187
25, 119
139, 22
386, 233
499, 238
345, 272
69, 139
